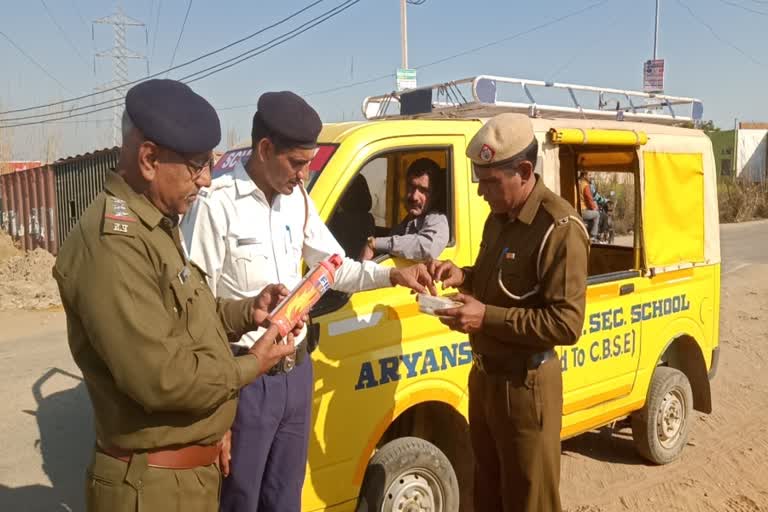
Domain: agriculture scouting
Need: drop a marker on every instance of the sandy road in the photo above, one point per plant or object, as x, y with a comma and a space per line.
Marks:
47, 433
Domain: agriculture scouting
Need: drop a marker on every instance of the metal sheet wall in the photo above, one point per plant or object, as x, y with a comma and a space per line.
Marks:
78, 182
28, 210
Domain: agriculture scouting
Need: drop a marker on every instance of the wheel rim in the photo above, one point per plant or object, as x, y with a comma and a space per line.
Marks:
671, 418
417, 490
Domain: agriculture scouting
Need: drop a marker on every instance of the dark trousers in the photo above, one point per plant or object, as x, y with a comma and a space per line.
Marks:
269, 443
514, 422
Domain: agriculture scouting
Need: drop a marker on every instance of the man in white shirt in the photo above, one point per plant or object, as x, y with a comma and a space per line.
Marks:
251, 228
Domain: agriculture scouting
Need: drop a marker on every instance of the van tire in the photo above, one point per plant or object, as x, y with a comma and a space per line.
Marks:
660, 429
405, 471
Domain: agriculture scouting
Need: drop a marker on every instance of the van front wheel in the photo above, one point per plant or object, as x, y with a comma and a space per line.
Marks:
660, 429
409, 474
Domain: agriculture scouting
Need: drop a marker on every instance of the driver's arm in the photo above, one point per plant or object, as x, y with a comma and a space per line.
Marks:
353, 276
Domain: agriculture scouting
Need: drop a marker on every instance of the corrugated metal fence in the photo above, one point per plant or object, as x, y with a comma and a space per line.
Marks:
78, 182
39, 207
29, 208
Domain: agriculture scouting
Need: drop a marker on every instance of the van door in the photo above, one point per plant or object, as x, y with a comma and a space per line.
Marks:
602, 366
375, 348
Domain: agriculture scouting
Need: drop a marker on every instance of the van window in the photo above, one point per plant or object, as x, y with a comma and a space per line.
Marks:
374, 201
601, 184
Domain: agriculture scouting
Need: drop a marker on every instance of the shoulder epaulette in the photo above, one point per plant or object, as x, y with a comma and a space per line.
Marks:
118, 218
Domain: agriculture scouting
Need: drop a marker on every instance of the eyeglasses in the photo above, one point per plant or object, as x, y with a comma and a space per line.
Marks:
196, 169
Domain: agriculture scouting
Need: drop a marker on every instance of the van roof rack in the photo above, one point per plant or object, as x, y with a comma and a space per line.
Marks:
479, 97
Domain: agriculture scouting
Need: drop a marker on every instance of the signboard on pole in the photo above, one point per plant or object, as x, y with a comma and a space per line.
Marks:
406, 79
653, 75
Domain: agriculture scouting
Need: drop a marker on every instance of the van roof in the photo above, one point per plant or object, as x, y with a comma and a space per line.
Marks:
338, 132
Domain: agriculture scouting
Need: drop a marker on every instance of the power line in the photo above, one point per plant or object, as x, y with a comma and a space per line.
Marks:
351, 85
33, 61
113, 102
184, 64
744, 7
181, 33
466, 52
268, 46
57, 118
263, 48
717, 36
580, 53
515, 36
234, 60
235, 107
212, 70
63, 33
82, 121
157, 29
194, 77
80, 14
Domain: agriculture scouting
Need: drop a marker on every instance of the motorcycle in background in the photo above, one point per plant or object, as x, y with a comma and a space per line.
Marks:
606, 205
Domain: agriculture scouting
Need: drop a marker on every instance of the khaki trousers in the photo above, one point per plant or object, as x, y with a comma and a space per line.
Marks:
112, 485
514, 422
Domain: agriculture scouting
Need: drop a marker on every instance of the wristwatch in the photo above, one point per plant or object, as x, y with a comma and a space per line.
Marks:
371, 243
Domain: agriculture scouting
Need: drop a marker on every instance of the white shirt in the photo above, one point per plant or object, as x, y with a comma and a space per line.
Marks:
243, 243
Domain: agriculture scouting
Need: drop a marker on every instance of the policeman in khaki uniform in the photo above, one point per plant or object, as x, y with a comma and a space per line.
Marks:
143, 327
524, 295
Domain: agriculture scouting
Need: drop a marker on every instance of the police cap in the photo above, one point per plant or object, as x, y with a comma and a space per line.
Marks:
287, 116
501, 140
170, 114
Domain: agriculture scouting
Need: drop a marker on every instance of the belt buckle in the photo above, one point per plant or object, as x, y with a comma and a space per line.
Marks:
289, 363
285, 365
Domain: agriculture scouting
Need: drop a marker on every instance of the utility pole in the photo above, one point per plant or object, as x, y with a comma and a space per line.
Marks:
120, 54
653, 70
656, 31
404, 32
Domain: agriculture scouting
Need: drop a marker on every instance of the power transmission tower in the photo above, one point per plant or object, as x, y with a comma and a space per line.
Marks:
120, 54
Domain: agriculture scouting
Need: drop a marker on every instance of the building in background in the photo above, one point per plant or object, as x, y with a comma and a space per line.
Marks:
743, 152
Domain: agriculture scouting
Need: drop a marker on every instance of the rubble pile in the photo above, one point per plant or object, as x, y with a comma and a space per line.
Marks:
26, 281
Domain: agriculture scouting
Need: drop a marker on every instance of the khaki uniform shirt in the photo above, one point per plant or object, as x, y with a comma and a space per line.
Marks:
144, 329
531, 273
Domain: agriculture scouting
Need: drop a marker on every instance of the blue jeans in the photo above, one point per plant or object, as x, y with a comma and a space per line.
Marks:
592, 219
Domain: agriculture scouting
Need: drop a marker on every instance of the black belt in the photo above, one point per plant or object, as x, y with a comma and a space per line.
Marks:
284, 366
509, 364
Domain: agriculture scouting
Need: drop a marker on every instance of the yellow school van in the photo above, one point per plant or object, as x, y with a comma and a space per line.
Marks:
390, 429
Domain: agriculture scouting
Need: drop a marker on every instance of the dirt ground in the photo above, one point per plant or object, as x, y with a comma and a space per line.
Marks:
25, 279
724, 468
725, 465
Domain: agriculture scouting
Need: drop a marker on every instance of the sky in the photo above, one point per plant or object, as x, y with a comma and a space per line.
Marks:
714, 50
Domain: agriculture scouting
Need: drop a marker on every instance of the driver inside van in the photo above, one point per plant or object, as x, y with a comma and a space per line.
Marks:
423, 234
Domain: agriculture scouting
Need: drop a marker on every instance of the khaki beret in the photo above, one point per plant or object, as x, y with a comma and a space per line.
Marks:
502, 139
